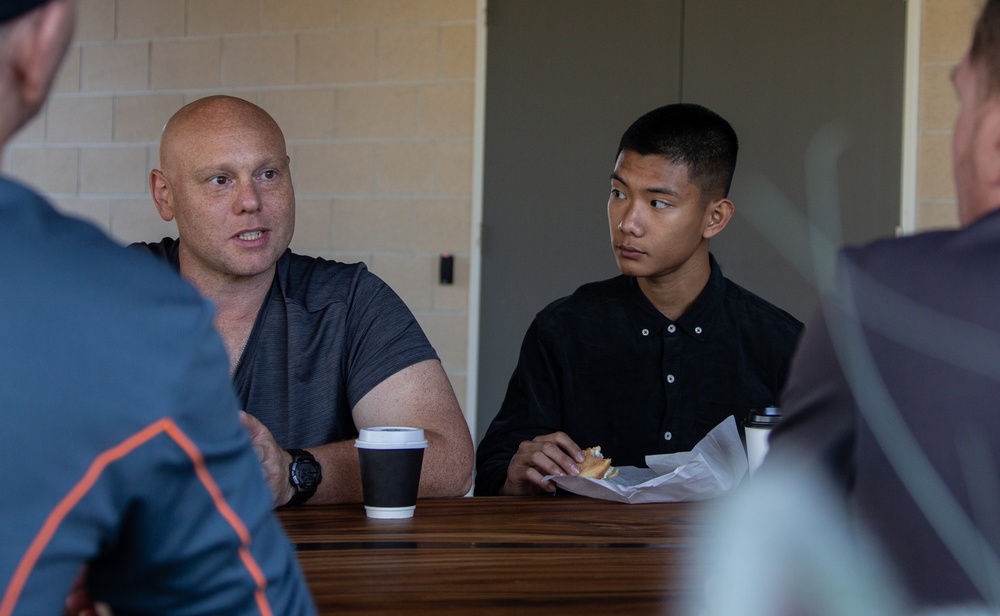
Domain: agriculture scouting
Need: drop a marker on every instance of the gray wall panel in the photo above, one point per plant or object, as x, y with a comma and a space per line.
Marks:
787, 74
564, 78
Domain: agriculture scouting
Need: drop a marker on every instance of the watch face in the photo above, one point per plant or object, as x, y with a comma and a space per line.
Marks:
305, 474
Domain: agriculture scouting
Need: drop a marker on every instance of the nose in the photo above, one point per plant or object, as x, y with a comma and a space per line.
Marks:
248, 198
631, 220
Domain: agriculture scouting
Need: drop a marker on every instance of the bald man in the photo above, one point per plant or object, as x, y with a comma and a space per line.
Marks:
317, 349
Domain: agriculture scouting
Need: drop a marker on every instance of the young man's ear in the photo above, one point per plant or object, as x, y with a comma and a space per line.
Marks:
717, 216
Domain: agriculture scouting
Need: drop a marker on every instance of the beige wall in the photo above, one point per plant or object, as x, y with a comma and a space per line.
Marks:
946, 28
375, 97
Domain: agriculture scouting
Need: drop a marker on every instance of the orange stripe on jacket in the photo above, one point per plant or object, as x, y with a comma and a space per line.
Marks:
101, 462
227, 512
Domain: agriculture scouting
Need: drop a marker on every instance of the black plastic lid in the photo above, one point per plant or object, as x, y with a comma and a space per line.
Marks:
763, 418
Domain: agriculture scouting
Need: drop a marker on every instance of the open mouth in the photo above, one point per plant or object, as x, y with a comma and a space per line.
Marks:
250, 235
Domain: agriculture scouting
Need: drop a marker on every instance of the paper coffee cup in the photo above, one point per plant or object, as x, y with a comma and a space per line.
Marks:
391, 459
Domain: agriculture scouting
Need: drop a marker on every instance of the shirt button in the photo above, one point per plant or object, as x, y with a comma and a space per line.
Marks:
697, 330
670, 378
667, 436
645, 332
671, 328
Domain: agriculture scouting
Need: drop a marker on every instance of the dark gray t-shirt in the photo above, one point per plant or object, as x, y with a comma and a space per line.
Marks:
325, 336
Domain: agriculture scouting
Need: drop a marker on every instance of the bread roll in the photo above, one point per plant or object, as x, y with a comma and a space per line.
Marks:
595, 465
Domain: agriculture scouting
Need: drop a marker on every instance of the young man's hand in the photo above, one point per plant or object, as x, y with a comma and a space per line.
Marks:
549, 454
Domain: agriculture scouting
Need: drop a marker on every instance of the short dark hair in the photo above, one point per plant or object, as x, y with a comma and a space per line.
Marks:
689, 134
12, 9
984, 54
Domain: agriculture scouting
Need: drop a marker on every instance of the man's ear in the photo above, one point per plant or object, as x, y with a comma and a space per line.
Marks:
987, 149
159, 188
40, 41
717, 216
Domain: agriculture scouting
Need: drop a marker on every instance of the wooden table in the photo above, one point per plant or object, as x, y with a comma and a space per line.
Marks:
544, 555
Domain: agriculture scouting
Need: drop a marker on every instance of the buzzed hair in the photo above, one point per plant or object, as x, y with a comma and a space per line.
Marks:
690, 134
984, 54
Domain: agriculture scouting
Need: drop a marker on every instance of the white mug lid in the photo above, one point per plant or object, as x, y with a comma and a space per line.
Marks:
391, 437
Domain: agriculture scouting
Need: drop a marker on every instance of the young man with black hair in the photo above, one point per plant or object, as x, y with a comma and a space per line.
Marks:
650, 361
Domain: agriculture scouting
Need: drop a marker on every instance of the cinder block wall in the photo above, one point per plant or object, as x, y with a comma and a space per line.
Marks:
375, 97
946, 29
376, 101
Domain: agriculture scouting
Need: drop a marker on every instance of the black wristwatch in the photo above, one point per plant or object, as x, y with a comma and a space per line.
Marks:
304, 473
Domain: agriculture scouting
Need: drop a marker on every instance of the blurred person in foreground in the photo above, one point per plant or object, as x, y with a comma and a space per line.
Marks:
317, 349
894, 392
124, 454
651, 361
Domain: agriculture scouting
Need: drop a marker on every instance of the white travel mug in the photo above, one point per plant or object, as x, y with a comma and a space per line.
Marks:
758, 426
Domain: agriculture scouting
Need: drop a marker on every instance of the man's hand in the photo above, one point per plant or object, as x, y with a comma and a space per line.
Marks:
78, 601
273, 459
550, 454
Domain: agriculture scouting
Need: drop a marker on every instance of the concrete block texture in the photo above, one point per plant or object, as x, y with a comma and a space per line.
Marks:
375, 99
377, 102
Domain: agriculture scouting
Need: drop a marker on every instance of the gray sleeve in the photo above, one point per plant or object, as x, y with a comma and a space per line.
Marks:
818, 409
383, 336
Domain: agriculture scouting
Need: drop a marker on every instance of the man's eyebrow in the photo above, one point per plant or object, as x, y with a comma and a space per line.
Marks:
660, 190
210, 169
227, 167
663, 191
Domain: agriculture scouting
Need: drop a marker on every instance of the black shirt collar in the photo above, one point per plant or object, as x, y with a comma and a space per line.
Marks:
697, 321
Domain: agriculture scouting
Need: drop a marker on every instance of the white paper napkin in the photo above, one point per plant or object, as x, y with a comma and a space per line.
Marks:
715, 466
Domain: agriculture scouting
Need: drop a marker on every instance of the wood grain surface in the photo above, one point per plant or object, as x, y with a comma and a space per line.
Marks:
501, 555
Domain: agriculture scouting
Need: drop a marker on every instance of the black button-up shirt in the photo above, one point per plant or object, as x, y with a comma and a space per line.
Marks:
606, 367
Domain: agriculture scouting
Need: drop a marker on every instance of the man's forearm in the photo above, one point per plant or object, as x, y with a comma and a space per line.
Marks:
341, 474
446, 471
